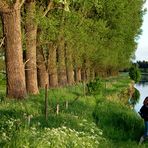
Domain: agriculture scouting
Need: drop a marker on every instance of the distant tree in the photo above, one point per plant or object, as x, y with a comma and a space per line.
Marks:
142, 64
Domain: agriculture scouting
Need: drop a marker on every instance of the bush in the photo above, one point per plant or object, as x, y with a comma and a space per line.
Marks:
135, 73
94, 87
135, 97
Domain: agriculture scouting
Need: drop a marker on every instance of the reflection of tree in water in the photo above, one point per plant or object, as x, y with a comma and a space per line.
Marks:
143, 83
135, 97
144, 78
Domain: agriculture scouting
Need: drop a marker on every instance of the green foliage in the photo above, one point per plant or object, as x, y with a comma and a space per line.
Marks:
2, 86
2, 96
98, 30
95, 86
135, 97
135, 73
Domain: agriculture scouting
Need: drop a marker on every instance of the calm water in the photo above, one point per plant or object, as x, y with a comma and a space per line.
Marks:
143, 89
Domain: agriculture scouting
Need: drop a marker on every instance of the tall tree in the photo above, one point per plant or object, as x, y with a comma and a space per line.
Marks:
10, 12
62, 77
43, 77
43, 40
69, 66
31, 34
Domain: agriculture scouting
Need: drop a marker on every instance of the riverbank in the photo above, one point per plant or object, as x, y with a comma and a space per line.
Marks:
74, 119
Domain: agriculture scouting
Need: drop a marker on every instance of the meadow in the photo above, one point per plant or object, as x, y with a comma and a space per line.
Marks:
75, 119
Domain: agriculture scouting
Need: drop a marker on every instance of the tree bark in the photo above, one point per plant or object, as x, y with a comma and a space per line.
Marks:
83, 74
43, 78
31, 34
16, 87
88, 74
77, 74
87, 70
92, 73
69, 67
52, 66
62, 78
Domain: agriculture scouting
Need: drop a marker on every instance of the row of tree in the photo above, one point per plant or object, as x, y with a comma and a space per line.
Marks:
142, 64
60, 42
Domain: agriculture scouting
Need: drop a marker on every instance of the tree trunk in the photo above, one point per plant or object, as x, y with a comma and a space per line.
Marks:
92, 73
16, 87
83, 74
88, 74
62, 78
77, 74
31, 34
52, 66
43, 77
69, 67
87, 70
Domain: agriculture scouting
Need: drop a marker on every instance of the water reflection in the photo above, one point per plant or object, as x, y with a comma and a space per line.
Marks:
143, 83
144, 78
142, 86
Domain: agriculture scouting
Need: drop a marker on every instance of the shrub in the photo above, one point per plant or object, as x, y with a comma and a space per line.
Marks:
135, 73
94, 87
135, 97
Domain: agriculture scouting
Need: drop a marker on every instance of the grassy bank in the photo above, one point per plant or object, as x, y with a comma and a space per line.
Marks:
87, 121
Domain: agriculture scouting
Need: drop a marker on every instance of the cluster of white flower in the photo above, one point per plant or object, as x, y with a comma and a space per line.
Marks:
6, 128
91, 127
62, 137
88, 135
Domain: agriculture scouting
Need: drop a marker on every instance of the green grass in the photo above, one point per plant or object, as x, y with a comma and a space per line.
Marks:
2, 85
81, 125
